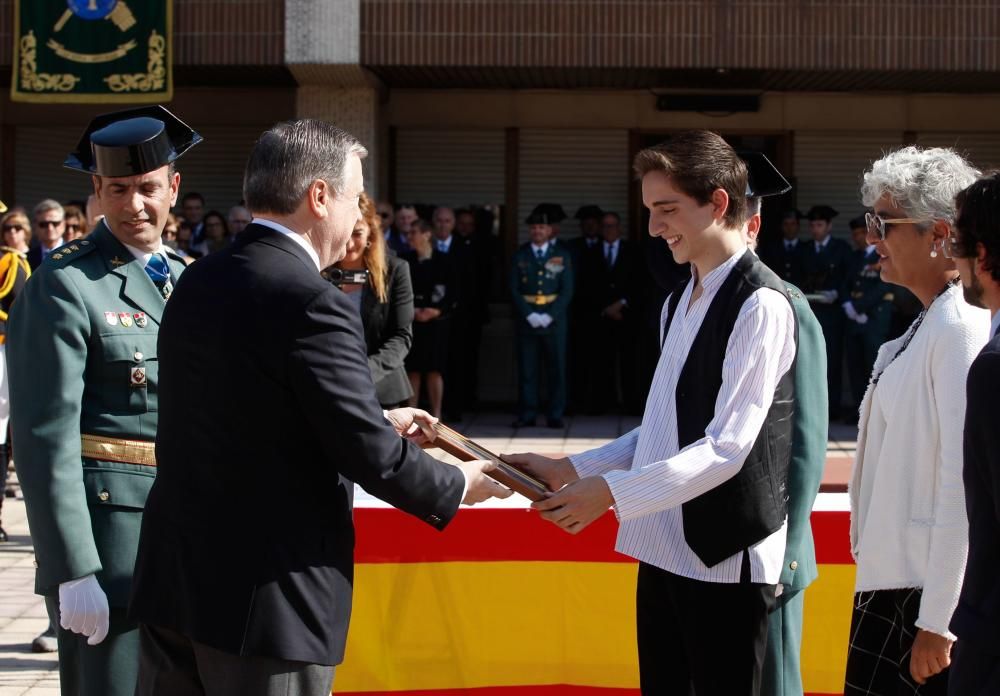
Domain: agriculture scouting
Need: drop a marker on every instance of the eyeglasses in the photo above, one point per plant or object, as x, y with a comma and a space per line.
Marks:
878, 225
74, 226
49, 223
13, 228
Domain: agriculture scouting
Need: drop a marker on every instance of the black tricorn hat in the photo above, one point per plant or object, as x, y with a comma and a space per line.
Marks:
589, 212
822, 212
763, 178
546, 214
131, 142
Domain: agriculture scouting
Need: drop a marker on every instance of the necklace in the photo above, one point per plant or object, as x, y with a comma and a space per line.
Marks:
916, 325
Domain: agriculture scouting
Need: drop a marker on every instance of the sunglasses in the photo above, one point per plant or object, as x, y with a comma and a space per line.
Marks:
880, 226
49, 223
13, 228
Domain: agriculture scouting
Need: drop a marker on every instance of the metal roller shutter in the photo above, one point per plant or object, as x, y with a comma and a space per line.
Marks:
573, 168
829, 167
982, 149
214, 168
450, 167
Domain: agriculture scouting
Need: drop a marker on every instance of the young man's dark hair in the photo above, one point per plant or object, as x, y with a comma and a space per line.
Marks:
978, 221
699, 162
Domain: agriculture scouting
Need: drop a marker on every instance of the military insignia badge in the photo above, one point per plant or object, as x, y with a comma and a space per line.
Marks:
116, 262
554, 265
111, 318
137, 377
140, 319
57, 257
125, 318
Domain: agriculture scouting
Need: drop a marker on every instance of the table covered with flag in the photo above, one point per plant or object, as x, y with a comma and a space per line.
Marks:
503, 603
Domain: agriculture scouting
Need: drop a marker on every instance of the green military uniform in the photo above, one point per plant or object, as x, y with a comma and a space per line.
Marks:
782, 673
872, 298
82, 356
545, 286
82, 350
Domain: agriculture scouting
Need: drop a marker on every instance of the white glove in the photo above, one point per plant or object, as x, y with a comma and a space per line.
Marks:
828, 295
545, 320
849, 310
83, 608
862, 319
535, 320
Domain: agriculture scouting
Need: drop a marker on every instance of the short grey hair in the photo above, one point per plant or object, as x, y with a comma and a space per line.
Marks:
921, 181
290, 156
47, 205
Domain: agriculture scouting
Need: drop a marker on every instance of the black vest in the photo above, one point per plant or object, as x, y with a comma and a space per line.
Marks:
751, 505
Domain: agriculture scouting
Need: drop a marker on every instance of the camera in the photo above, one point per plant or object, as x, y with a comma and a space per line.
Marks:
340, 276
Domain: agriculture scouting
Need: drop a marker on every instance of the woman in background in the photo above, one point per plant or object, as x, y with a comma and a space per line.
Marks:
434, 295
385, 302
16, 231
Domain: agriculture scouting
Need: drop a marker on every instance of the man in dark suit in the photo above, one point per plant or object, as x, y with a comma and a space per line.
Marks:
616, 292
266, 393
975, 665
49, 228
584, 368
825, 264
784, 256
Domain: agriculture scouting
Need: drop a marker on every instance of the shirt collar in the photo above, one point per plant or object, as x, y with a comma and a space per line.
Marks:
714, 278
140, 255
822, 245
994, 324
869, 250
543, 248
296, 237
444, 244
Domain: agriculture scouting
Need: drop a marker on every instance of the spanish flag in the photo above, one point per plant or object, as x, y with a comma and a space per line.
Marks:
503, 603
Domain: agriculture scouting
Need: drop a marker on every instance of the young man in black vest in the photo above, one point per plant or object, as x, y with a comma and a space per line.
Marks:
700, 486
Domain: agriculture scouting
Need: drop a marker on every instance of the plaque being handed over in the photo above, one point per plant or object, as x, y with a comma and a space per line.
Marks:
464, 449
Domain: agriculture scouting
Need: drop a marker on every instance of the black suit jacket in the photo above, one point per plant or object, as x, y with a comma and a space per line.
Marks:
389, 333
266, 408
977, 617
620, 281
34, 256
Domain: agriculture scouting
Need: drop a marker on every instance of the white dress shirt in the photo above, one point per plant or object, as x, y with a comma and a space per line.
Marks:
648, 473
443, 245
298, 238
611, 252
542, 249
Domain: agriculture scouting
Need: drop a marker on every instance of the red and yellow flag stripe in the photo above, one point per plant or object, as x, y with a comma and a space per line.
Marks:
503, 603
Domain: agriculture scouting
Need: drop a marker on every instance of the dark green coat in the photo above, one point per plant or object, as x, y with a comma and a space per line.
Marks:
551, 275
870, 295
809, 440
86, 318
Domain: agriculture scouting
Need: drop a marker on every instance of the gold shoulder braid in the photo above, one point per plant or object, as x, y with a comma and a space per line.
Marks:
9, 264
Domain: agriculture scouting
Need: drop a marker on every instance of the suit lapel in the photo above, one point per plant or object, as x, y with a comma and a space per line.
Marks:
136, 287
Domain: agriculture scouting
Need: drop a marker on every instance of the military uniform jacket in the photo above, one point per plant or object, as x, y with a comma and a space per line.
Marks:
826, 269
869, 294
809, 435
82, 358
549, 278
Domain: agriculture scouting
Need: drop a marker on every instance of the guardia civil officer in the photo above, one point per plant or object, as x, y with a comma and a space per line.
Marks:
541, 286
824, 267
868, 312
82, 351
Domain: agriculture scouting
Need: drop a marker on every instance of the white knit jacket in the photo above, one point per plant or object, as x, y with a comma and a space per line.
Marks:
908, 519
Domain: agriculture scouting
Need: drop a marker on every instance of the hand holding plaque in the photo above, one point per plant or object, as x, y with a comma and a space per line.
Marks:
463, 448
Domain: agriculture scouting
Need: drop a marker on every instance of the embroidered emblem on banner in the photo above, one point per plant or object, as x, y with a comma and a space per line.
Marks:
125, 318
138, 377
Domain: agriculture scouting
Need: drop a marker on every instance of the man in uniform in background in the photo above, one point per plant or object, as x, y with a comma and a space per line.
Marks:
541, 286
85, 424
825, 264
868, 312
784, 256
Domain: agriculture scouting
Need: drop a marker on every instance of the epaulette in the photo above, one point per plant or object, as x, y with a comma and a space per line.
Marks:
72, 250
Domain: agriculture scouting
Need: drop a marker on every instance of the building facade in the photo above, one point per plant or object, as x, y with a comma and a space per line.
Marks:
509, 103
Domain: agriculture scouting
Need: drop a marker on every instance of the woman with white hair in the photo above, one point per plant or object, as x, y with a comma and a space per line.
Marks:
908, 523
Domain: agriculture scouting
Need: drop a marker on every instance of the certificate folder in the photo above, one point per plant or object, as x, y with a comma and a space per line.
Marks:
461, 447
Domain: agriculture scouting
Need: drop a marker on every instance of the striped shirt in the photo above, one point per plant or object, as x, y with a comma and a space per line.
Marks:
650, 476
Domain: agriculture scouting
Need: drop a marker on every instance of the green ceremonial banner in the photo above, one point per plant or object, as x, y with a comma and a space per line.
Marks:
94, 51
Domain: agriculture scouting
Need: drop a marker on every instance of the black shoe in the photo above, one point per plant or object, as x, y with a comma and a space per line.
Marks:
521, 423
3, 535
46, 642
555, 423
